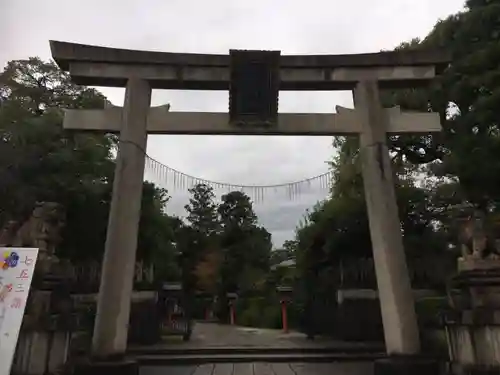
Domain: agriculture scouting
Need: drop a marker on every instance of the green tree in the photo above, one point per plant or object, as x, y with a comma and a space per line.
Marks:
459, 165
244, 242
43, 162
337, 230
466, 96
287, 252
157, 234
236, 211
202, 210
245, 247
40, 161
198, 240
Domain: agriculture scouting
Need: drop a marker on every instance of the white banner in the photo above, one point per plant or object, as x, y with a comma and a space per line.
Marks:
16, 272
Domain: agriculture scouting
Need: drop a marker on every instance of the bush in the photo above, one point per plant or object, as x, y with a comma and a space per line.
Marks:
248, 316
429, 311
199, 308
359, 320
259, 312
432, 334
271, 317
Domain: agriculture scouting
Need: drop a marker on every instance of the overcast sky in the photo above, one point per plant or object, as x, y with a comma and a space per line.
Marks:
292, 26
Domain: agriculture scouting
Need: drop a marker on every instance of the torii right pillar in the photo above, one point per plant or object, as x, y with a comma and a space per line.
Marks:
395, 292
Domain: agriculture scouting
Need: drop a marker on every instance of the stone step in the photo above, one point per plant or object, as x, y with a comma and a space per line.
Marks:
191, 359
179, 351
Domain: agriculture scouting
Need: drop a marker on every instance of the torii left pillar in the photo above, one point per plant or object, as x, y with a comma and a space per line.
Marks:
109, 342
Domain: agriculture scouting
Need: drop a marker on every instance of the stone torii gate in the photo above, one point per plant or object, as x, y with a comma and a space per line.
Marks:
141, 71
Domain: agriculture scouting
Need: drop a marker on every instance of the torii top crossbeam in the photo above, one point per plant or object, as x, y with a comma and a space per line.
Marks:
102, 66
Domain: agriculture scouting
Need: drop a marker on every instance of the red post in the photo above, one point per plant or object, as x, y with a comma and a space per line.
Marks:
207, 313
231, 314
284, 316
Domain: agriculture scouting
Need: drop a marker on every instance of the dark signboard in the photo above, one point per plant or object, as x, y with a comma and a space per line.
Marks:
254, 87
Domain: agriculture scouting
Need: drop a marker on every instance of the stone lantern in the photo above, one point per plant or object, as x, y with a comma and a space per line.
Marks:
473, 322
209, 308
169, 298
177, 319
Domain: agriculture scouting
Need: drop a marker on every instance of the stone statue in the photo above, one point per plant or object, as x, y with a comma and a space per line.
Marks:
478, 237
42, 230
474, 296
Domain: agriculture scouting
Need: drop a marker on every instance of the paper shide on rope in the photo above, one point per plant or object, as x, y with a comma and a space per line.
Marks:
172, 179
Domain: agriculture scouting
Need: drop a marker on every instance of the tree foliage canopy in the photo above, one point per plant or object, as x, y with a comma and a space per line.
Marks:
434, 173
466, 96
43, 162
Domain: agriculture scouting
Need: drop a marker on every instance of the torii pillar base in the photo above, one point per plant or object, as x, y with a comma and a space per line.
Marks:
107, 367
407, 365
